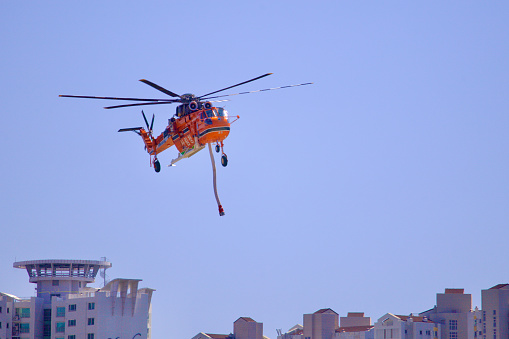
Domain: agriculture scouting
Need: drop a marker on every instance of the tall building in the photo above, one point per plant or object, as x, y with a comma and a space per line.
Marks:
453, 311
495, 308
321, 325
65, 308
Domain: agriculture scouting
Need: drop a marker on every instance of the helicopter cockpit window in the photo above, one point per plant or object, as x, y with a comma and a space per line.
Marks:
222, 112
210, 113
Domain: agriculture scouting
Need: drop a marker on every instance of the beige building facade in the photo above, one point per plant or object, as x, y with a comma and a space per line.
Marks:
321, 325
495, 307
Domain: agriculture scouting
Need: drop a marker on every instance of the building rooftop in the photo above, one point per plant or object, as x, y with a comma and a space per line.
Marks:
62, 269
354, 328
499, 286
414, 318
217, 336
324, 310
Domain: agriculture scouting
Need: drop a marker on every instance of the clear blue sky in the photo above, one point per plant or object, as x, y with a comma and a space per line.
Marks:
372, 190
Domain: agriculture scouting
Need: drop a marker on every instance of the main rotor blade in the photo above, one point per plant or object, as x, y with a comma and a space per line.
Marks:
143, 104
260, 90
152, 123
159, 88
112, 98
242, 83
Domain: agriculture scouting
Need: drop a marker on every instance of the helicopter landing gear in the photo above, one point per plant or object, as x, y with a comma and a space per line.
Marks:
157, 165
224, 160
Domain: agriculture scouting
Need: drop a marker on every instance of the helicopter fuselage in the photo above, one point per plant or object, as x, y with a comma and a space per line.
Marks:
193, 129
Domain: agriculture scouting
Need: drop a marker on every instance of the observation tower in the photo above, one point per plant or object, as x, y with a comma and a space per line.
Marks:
60, 277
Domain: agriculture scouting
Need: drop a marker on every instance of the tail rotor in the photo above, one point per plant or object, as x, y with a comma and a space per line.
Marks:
149, 128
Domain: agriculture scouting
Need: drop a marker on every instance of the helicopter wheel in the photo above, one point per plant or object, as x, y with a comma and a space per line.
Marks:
218, 148
157, 166
224, 160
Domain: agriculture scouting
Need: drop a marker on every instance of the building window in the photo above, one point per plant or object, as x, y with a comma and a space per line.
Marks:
55, 282
453, 325
0, 324
90, 336
24, 328
494, 312
72, 336
72, 307
91, 321
71, 322
60, 327
7, 309
453, 335
494, 321
0, 309
23, 313
91, 306
60, 311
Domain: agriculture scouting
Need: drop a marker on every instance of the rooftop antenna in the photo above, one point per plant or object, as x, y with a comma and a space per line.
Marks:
102, 273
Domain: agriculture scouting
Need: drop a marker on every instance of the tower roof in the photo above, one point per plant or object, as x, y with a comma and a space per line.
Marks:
62, 269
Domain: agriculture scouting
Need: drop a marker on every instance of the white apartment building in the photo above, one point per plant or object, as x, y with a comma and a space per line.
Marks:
392, 326
453, 311
65, 308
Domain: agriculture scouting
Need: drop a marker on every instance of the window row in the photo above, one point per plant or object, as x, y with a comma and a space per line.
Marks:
71, 308
23, 327
60, 326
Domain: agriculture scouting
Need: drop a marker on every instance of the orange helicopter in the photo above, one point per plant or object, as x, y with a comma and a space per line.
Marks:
196, 123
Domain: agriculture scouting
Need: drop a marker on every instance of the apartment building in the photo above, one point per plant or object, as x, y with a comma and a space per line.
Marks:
65, 308
495, 308
453, 310
392, 326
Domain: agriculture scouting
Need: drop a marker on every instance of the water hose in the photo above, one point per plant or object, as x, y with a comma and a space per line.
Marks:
221, 211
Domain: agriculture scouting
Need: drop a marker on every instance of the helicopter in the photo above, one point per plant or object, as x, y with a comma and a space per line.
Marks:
195, 124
